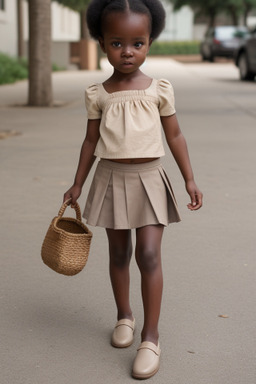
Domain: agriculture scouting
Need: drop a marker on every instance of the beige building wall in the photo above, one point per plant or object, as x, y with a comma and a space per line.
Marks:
179, 25
8, 28
65, 28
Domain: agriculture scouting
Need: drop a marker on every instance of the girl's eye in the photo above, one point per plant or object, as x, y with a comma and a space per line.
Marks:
116, 44
138, 44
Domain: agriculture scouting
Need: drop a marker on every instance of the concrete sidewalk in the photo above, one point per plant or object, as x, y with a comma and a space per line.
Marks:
55, 329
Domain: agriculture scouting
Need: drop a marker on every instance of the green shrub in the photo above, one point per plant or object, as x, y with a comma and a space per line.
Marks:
57, 68
163, 48
12, 69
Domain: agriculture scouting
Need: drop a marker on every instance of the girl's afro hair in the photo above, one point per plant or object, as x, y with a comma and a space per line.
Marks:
98, 9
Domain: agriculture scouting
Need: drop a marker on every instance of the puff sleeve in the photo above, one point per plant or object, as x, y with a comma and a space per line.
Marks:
166, 98
91, 102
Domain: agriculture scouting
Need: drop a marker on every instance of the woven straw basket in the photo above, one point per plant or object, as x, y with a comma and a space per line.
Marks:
67, 243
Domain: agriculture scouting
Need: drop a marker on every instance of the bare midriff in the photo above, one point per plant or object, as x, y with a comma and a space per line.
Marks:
134, 161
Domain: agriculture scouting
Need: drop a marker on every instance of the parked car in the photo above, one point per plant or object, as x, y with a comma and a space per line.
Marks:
245, 58
222, 41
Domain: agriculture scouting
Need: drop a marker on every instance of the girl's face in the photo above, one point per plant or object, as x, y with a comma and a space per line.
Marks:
126, 40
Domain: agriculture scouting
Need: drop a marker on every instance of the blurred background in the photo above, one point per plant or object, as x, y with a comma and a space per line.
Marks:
41, 36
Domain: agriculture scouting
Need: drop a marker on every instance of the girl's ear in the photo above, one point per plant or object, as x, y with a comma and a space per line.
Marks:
149, 45
102, 45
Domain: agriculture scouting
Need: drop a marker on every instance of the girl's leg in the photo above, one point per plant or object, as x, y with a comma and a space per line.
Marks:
120, 251
148, 257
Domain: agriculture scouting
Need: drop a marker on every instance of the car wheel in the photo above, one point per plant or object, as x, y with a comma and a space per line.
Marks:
245, 73
203, 53
211, 58
206, 53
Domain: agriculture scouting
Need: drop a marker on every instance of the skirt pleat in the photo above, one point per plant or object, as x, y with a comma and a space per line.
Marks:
97, 196
172, 203
155, 190
126, 196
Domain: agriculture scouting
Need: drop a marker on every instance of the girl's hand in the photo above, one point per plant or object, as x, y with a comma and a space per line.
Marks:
195, 195
73, 193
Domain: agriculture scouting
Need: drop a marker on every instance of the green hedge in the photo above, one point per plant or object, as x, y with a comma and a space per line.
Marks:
12, 69
163, 48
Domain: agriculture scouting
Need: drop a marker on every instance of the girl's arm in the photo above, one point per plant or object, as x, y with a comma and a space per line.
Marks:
86, 160
178, 147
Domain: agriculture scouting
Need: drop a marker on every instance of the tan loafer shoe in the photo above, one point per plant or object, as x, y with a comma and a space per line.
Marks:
147, 361
122, 336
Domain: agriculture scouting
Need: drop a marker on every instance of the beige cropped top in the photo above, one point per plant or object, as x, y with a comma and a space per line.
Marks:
130, 120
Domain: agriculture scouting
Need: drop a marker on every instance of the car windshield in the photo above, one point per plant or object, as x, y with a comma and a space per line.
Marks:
230, 32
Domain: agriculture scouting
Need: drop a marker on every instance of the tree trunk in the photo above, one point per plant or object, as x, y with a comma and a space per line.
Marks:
40, 68
234, 15
20, 28
246, 14
212, 18
84, 33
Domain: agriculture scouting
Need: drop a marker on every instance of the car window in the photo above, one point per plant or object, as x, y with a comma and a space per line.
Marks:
241, 33
230, 32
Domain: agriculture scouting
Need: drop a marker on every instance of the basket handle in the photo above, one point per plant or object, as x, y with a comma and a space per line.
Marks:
76, 207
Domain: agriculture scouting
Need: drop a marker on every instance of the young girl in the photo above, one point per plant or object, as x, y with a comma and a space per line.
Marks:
130, 188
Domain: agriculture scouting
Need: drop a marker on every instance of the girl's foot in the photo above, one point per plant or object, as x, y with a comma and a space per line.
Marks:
122, 336
147, 361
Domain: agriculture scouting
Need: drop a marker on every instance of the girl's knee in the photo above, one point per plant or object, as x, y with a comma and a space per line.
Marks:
148, 259
120, 257
120, 248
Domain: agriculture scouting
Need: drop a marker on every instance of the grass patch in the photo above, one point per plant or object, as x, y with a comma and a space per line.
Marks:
165, 48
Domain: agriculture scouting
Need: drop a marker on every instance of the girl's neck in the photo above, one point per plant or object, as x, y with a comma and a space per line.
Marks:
120, 81
120, 76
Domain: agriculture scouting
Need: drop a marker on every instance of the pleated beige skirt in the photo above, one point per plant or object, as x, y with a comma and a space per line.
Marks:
126, 196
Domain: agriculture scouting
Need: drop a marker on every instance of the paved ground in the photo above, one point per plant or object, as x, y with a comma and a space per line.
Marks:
55, 329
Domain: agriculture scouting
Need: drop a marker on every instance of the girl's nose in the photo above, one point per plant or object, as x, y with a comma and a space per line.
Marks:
127, 52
